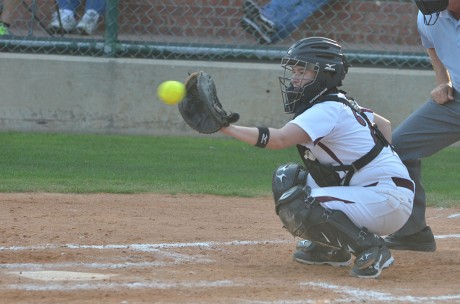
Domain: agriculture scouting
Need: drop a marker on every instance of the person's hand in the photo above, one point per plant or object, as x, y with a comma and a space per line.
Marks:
443, 93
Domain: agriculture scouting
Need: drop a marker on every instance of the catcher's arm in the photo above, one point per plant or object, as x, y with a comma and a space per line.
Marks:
384, 126
203, 112
271, 138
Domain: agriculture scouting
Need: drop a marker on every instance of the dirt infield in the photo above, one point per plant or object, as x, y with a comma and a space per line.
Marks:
151, 248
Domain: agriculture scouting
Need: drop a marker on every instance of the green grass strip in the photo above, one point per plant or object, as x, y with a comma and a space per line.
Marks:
132, 164
32, 162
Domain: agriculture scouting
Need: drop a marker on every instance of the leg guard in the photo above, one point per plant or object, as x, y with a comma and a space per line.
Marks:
303, 216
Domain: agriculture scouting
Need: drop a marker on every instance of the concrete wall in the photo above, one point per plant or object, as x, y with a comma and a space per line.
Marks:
47, 93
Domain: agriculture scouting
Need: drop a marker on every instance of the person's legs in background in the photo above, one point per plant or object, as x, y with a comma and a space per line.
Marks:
287, 15
94, 9
255, 24
277, 19
68, 22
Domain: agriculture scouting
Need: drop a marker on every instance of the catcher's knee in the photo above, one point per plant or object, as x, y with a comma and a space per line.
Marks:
289, 192
286, 177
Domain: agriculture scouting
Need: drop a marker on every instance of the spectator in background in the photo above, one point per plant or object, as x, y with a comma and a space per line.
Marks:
277, 19
94, 9
9, 6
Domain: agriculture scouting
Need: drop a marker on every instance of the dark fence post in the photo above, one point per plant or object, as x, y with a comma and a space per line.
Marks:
111, 28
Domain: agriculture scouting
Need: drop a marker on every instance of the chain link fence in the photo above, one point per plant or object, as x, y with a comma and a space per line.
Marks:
379, 33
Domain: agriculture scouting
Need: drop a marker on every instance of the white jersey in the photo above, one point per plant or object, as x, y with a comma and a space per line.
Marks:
373, 199
340, 137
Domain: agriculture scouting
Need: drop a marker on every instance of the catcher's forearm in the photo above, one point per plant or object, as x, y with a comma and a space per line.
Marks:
248, 135
270, 138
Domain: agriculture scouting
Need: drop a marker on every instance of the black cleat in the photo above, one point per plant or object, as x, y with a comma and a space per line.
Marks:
312, 254
370, 263
419, 241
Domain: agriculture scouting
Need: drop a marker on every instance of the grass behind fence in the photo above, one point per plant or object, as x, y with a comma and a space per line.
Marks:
130, 164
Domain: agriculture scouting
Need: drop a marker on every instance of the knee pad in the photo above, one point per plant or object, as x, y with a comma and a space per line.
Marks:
287, 176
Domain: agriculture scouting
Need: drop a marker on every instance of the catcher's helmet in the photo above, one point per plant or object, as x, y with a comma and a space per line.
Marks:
431, 9
319, 54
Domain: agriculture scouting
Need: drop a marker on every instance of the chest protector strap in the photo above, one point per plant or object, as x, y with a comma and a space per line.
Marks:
326, 175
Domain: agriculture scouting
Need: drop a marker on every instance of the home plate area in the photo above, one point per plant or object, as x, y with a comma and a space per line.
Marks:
151, 248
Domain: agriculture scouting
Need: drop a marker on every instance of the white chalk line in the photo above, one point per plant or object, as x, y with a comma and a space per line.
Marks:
143, 247
354, 292
117, 285
368, 295
156, 247
447, 236
47, 266
176, 258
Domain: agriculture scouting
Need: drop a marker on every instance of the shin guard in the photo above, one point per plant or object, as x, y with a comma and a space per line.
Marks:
303, 216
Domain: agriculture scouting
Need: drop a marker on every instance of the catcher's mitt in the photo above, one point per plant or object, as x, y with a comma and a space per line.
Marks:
201, 108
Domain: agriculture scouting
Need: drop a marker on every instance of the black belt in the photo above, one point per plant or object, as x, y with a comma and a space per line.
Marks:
405, 183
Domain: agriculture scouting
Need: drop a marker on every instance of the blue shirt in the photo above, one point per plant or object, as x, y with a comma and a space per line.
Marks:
444, 37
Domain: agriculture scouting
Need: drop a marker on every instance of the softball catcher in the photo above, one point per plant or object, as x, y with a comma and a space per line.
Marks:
351, 187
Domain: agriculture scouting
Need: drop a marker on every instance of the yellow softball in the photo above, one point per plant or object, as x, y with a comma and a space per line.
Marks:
171, 92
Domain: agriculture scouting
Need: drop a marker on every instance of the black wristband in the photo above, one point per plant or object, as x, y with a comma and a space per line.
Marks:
264, 136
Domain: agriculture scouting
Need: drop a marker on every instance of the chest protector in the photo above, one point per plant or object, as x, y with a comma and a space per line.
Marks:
327, 175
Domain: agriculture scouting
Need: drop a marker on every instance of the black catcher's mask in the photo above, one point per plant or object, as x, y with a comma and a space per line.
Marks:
431, 9
319, 54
